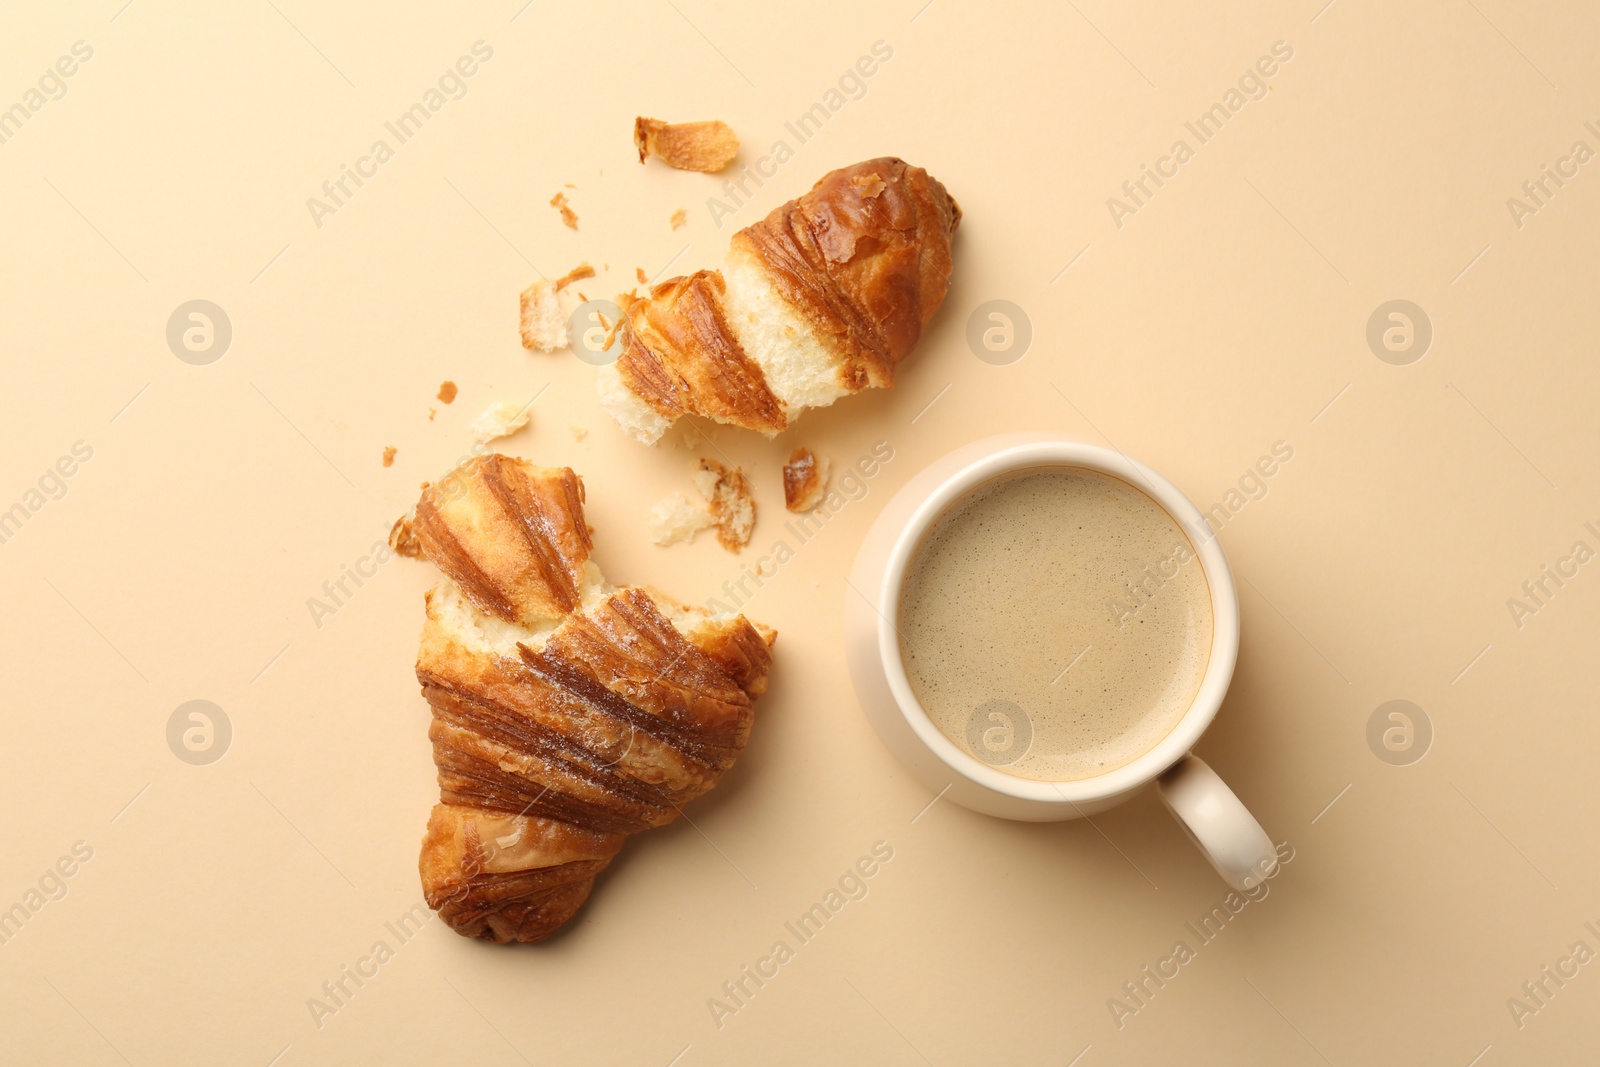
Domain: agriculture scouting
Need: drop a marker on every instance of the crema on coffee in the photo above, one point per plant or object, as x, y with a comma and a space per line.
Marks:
1055, 623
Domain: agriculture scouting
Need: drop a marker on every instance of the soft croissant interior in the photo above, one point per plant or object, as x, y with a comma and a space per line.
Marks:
822, 298
566, 714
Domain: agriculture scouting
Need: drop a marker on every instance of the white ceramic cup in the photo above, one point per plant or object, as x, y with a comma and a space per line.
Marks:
1208, 810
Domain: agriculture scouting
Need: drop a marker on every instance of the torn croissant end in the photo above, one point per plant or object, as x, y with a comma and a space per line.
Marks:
824, 297
566, 714
510, 535
701, 146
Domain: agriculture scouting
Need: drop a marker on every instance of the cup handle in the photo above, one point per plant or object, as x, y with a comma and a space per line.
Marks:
1218, 822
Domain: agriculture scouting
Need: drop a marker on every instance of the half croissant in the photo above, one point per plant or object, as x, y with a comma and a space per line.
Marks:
566, 714
822, 298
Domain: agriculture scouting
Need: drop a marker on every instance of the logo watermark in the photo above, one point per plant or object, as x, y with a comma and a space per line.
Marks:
737, 993
1138, 992
1399, 733
1540, 990
1253, 84
51, 86
199, 732
594, 333
1538, 191
999, 332
51, 486
1399, 332
1251, 486
199, 332
338, 191
850, 86
50, 887
999, 732
1537, 592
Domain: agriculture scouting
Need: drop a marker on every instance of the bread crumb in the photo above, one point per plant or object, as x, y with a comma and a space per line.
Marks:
727, 492
638, 272
403, 539
674, 519
679, 217
703, 146
568, 216
388, 456
500, 419
543, 326
578, 432
447, 392
582, 270
431, 413
805, 480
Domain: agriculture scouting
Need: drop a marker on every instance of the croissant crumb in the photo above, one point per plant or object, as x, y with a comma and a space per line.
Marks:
568, 216
403, 539
500, 419
675, 519
732, 507
578, 273
805, 480
701, 146
541, 320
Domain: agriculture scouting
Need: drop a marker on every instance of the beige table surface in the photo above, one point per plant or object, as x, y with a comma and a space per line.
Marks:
1226, 313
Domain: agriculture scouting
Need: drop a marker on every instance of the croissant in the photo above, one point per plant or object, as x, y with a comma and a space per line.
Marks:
566, 714
822, 298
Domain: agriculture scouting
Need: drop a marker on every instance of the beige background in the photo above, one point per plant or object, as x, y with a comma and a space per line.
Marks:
1227, 314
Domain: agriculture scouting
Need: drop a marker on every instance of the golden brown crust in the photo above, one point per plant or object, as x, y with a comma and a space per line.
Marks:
614, 724
509, 534
805, 477
739, 647
555, 741
682, 357
701, 146
632, 650
507, 877
865, 257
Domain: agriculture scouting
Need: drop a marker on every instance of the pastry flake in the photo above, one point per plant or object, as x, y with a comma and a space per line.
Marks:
805, 480
701, 146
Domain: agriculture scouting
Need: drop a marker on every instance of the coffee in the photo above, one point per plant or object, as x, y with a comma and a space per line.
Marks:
1055, 623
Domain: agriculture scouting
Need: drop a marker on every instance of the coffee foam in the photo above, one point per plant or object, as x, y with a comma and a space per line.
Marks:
1055, 623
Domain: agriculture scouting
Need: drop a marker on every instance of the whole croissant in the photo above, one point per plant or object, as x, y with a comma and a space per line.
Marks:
566, 715
823, 297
